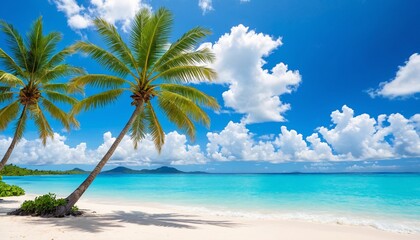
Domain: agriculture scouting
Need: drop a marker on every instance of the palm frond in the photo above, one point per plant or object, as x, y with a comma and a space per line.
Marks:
4, 89
185, 74
193, 94
10, 79
97, 100
8, 113
35, 46
155, 128
99, 80
185, 105
196, 58
60, 56
176, 114
114, 41
16, 43
155, 35
10, 64
138, 128
186, 43
105, 58
58, 71
57, 113
44, 129
60, 97
61, 87
49, 44
136, 33
5, 96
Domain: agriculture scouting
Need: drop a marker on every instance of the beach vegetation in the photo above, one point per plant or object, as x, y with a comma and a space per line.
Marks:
7, 190
28, 83
155, 72
13, 170
44, 206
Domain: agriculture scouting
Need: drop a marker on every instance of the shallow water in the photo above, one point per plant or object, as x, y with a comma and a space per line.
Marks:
386, 201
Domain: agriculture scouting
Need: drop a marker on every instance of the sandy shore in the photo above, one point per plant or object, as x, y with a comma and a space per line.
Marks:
114, 220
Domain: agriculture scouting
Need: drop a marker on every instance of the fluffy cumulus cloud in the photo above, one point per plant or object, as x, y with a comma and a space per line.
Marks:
176, 151
115, 11
405, 83
253, 90
236, 142
56, 151
350, 137
363, 137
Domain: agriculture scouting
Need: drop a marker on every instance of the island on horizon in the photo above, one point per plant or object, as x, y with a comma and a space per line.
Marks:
14, 170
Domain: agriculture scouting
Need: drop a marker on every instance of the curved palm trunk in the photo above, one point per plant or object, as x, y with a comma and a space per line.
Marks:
77, 194
14, 140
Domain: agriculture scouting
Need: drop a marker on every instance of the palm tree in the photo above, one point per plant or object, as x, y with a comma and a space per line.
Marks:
147, 67
27, 83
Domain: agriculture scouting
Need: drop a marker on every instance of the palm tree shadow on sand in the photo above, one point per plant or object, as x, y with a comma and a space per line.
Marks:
99, 223
5, 207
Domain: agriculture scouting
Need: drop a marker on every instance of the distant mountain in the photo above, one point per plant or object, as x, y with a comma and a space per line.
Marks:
161, 170
78, 170
120, 170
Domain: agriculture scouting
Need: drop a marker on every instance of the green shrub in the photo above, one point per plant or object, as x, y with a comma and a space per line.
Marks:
7, 190
45, 205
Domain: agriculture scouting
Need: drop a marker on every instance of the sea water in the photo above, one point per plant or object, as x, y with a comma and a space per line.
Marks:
386, 201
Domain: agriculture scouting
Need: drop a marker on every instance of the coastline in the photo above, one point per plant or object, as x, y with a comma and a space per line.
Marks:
129, 220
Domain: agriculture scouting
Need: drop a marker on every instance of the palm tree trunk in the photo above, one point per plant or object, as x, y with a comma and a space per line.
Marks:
14, 140
77, 194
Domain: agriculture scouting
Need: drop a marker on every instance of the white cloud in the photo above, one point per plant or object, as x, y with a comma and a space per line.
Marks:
351, 137
405, 83
118, 12
232, 143
69, 7
205, 5
253, 90
363, 137
79, 22
175, 151
235, 142
357, 137
56, 151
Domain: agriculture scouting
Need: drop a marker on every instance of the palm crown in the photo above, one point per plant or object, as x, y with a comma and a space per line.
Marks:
150, 67
27, 82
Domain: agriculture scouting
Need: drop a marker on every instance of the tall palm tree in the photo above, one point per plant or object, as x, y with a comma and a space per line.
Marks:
27, 83
147, 67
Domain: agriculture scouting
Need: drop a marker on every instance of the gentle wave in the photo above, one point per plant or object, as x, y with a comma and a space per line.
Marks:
396, 226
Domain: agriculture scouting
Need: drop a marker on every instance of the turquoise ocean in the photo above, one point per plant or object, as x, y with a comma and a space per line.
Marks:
389, 202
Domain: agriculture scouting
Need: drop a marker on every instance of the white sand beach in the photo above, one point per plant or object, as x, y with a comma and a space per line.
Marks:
116, 220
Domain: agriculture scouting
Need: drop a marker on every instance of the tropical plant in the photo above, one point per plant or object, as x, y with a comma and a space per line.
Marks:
147, 67
27, 82
7, 190
44, 206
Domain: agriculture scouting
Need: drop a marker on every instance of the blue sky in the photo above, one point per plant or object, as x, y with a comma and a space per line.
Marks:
319, 81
